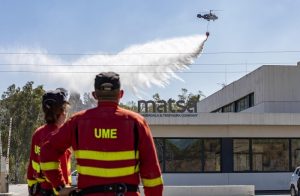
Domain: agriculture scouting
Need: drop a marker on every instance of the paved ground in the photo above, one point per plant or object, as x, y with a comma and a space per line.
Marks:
21, 190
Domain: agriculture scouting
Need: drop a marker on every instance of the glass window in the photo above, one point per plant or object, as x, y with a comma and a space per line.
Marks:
183, 155
295, 153
217, 110
241, 158
270, 155
251, 100
242, 104
212, 155
238, 105
228, 108
160, 151
189, 155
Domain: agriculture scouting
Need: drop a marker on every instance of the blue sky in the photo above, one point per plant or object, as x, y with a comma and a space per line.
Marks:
93, 26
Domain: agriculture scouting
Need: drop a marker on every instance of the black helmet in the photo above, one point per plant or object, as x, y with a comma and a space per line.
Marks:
56, 97
107, 81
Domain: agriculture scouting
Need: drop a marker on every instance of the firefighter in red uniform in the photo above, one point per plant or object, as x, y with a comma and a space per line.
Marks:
113, 147
54, 105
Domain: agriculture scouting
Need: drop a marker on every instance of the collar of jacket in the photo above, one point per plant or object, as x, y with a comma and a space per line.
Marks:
52, 126
107, 104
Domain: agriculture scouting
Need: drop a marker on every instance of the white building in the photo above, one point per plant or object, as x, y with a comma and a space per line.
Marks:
246, 133
268, 89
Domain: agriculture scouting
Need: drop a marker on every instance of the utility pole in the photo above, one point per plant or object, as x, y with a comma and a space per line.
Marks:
4, 174
7, 155
1, 152
2, 168
0, 147
8, 146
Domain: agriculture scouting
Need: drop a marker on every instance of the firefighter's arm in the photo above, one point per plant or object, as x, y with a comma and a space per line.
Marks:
149, 165
31, 181
65, 163
52, 150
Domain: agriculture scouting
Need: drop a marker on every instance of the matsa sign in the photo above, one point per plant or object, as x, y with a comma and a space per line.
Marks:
170, 106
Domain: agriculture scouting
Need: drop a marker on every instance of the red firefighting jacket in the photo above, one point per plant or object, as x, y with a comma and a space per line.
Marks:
103, 141
34, 172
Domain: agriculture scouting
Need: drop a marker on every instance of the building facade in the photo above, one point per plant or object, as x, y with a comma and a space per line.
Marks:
246, 133
268, 89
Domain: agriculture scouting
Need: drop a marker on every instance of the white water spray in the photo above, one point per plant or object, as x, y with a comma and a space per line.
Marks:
139, 66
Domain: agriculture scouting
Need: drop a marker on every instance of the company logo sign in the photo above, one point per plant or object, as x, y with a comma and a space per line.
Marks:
170, 106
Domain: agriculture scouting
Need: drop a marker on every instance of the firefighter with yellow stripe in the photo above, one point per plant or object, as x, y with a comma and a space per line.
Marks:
113, 147
54, 105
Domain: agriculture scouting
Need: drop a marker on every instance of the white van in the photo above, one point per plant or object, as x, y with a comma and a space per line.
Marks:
74, 176
293, 182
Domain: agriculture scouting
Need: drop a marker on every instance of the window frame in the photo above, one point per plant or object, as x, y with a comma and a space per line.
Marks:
163, 169
291, 168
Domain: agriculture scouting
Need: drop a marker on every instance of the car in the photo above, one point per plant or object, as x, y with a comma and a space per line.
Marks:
294, 181
74, 176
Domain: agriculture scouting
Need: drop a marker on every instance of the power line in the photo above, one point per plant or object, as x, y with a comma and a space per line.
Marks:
136, 65
127, 72
254, 52
148, 53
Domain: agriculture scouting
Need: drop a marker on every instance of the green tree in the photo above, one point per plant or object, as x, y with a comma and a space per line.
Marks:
187, 96
184, 95
156, 97
130, 105
24, 107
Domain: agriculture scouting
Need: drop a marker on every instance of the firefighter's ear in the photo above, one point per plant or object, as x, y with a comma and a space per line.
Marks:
94, 95
121, 93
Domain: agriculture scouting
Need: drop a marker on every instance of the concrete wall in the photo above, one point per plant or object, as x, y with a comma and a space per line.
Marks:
261, 181
228, 125
3, 175
281, 83
226, 131
274, 83
229, 119
228, 190
275, 107
252, 82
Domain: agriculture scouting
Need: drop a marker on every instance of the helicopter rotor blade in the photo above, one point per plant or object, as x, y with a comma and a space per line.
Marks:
216, 10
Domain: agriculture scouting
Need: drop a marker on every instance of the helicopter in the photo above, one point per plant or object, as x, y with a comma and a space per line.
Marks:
209, 16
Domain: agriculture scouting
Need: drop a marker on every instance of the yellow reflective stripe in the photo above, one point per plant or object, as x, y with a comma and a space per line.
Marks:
49, 166
107, 172
55, 192
36, 166
70, 179
31, 182
47, 180
69, 166
152, 182
106, 156
40, 179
